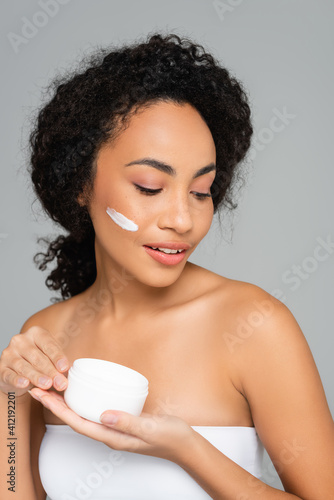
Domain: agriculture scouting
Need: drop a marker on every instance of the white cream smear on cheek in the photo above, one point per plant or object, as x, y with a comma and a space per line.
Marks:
121, 220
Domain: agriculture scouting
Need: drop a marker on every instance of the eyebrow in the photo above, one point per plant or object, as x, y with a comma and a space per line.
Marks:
167, 169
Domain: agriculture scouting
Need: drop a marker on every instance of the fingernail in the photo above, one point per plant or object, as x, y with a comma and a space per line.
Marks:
43, 380
34, 396
61, 364
23, 381
60, 382
109, 418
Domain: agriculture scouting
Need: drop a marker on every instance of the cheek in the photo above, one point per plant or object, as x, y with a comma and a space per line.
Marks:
203, 216
127, 210
121, 220
110, 192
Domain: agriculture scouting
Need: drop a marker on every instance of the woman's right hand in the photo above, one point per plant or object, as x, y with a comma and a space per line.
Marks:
30, 359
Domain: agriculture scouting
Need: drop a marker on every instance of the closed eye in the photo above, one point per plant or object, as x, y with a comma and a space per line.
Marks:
151, 192
147, 191
201, 196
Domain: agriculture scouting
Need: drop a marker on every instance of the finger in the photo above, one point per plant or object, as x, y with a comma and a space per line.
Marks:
11, 378
43, 372
50, 399
133, 433
36, 378
52, 349
57, 396
24, 368
39, 395
61, 410
130, 424
43, 353
49, 358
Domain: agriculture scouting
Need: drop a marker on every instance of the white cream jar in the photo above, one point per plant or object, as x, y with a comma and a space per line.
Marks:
96, 385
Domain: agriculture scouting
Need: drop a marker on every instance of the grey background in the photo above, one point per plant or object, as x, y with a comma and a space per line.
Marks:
282, 51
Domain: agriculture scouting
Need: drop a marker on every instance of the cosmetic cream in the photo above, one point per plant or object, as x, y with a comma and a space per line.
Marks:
121, 220
96, 385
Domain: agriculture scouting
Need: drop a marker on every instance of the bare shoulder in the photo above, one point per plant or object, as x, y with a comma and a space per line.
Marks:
247, 316
239, 297
53, 317
259, 322
274, 369
253, 322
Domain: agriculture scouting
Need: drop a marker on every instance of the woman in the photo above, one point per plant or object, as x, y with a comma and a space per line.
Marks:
133, 156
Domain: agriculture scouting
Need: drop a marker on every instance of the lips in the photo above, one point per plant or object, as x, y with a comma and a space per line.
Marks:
168, 259
172, 245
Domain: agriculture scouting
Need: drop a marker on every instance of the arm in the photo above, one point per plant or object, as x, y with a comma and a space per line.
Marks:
37, 431
222, 478
279, 379
26, 356
22, 484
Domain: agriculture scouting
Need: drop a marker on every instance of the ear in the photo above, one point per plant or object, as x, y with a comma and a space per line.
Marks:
81, 200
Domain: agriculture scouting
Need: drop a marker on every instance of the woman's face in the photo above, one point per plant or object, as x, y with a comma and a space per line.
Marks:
175, 135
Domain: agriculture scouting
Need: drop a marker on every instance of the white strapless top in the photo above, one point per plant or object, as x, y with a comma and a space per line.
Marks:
76, 467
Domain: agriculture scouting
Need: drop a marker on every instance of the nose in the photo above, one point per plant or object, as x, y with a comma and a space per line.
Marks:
177, 215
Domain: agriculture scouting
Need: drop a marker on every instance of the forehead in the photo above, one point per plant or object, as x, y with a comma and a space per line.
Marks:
168, 128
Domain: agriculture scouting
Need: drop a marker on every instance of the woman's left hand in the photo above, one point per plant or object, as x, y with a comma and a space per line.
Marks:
163, 436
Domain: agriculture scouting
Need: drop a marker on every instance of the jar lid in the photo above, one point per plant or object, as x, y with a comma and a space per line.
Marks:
109, 374
107, 387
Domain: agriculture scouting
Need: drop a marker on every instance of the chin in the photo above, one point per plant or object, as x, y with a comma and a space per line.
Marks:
161, 279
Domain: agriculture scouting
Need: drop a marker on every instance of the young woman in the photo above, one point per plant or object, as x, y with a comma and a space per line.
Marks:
132, 156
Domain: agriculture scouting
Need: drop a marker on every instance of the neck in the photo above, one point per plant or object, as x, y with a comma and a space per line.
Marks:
119, 295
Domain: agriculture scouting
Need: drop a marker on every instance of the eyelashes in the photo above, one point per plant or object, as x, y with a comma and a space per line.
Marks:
152, 192
147, 191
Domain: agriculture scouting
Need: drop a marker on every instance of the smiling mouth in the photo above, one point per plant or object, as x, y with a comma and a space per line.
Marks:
166, 250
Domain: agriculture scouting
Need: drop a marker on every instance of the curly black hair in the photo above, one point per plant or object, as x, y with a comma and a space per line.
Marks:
94, 105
